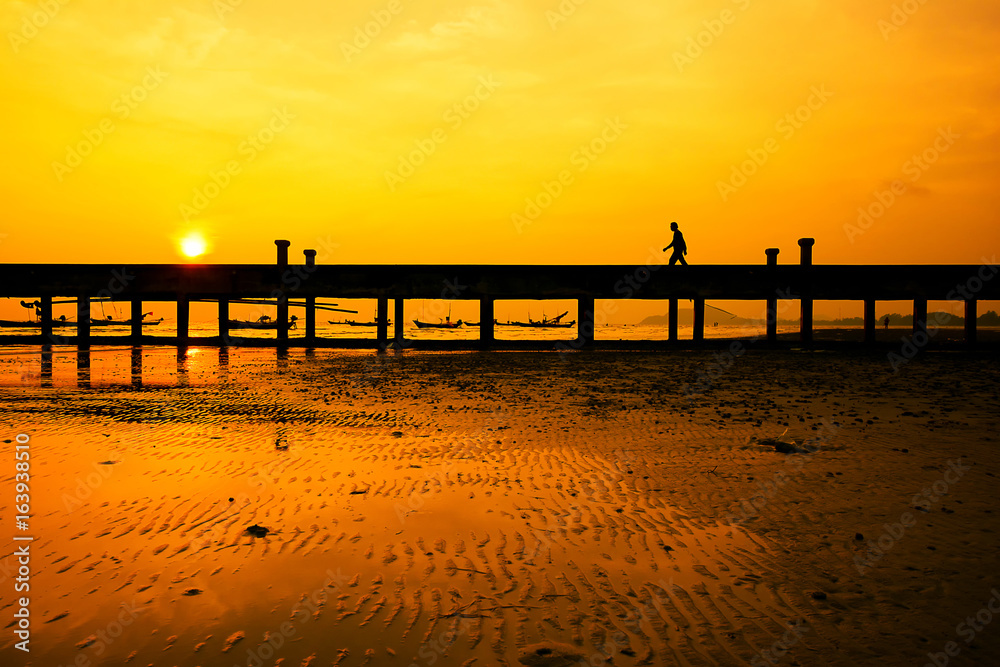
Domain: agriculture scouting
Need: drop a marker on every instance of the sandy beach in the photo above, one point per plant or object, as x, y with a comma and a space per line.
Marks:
682, 508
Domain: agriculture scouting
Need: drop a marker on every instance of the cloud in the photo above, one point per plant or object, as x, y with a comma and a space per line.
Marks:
476, 22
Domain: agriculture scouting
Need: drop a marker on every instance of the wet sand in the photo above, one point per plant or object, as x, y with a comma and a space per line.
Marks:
506, 508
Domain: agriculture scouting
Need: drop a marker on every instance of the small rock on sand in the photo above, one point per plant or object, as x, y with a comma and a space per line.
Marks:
549, 654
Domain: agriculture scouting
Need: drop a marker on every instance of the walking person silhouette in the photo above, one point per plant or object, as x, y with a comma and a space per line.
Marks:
680, 248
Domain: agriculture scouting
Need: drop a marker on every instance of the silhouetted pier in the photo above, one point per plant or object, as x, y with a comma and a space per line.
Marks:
769, 282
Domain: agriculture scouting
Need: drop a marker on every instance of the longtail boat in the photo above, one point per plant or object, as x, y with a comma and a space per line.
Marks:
263, 322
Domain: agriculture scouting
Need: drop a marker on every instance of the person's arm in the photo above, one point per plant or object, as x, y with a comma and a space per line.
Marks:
669, 246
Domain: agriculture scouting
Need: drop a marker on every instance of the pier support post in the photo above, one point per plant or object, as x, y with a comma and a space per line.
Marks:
310, 300
183, 318
46, 319
83, 321
970, 322
699, 319
223, 321
806, 318
399, 320
382, 322
135, 314
486, 317
282, 262
672, 319
585, 327
870, 321
919, 315
772, 301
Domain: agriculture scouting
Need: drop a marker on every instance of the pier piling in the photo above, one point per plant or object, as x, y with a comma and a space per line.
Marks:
870, 321
806, 318
183, 318
399, 320
970, 322
47, 317
672, 319
223, 320
585, 327
382, 322
310, 300
282, 263
83, 320
135, 314
919, 315
699, 319
772, 301
486, 317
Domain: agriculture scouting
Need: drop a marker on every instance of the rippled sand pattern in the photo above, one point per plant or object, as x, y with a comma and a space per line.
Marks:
459, 509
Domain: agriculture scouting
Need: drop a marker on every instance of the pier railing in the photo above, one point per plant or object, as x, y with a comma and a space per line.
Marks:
225, 283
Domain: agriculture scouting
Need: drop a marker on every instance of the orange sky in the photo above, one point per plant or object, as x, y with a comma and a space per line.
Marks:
317, 126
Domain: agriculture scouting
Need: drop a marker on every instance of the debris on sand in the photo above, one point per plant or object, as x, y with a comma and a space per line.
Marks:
192, 591
783, 445
549, 654
232, 640
257, 531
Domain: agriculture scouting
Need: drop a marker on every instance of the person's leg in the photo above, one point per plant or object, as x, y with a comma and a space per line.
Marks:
683, 261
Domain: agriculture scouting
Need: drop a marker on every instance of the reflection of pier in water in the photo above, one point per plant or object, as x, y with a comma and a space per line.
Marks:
285, 285
84, 354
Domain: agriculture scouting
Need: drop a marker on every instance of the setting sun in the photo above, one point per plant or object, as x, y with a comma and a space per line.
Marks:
193, 245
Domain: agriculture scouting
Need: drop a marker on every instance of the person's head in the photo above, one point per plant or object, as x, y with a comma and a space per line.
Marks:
673, 226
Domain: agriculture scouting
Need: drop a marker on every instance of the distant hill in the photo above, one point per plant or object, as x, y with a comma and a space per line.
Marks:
685, 317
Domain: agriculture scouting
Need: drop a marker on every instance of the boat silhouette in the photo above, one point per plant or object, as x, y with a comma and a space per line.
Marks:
373, 323
447, 324
110, 322
544, 323
263, 322
61, 321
